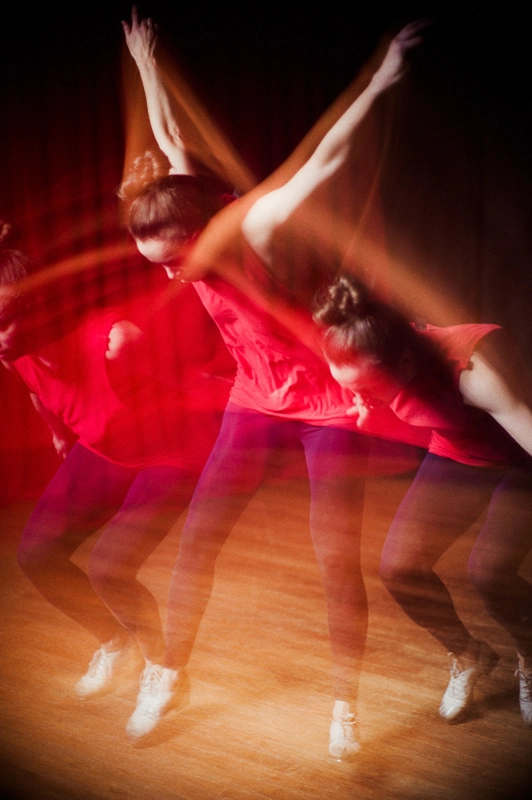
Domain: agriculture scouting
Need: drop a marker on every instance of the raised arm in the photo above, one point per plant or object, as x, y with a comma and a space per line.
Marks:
141, 39
498, 382
274, 208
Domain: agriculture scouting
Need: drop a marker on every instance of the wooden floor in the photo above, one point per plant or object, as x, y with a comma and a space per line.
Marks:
257, 723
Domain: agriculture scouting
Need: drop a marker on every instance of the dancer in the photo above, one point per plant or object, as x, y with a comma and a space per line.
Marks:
466, 384
132, 453
283, 396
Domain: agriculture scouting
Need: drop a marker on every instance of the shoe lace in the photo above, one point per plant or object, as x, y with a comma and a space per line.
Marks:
459, 675
150, 681
99, 664
347, 724
525, 679
344, 740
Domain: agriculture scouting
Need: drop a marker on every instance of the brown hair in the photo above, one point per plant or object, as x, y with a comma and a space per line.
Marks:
183, 204
356, 323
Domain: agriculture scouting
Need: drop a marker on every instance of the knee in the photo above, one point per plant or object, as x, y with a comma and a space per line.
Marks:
198, 553
97, 573
338, 567
399, 576
36, 556
484, 578
104, 575
25, 559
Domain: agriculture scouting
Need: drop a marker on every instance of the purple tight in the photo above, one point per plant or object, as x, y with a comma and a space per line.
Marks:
445, 498
336, 464
136, 508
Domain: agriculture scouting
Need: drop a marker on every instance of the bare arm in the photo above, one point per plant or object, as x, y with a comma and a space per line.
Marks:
141, 39
498, 382
274, 208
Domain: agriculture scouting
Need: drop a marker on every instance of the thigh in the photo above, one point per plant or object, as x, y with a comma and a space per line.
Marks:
445, 498
233, 472
334, 453
152, 505
240, 455
85, 492
337, 466
505, 538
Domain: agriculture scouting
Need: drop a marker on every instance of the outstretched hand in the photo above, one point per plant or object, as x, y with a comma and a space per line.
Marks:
393, 67
141, 36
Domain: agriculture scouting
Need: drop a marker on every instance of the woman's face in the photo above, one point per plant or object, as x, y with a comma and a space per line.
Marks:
369, 381
170, 251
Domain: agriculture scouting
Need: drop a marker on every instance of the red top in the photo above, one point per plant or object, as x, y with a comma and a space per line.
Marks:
280, 369
276, 372
159, 407
458, 431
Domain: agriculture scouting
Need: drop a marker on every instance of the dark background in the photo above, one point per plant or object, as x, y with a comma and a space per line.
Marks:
458, 162
456, 167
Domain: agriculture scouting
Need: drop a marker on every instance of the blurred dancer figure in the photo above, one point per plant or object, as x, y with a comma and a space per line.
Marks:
283, 396
466, 384
132, 451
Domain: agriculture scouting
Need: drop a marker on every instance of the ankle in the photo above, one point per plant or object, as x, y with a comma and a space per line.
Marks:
115, 644
469, 656
169, 677
525, 663
344, 710
152, 659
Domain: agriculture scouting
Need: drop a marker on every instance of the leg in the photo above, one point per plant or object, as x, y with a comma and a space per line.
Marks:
444, 500
231, 476
337, 460
233, 472
83, 494
153, 503
337, 465
500, 549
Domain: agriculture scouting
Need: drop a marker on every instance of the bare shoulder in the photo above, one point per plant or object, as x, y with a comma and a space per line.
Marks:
496, 376
261, 221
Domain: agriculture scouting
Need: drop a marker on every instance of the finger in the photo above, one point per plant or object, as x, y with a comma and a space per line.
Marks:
410, 34
417, 26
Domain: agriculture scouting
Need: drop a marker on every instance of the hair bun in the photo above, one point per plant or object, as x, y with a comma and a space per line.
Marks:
351, 296
342, 301
145, 169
